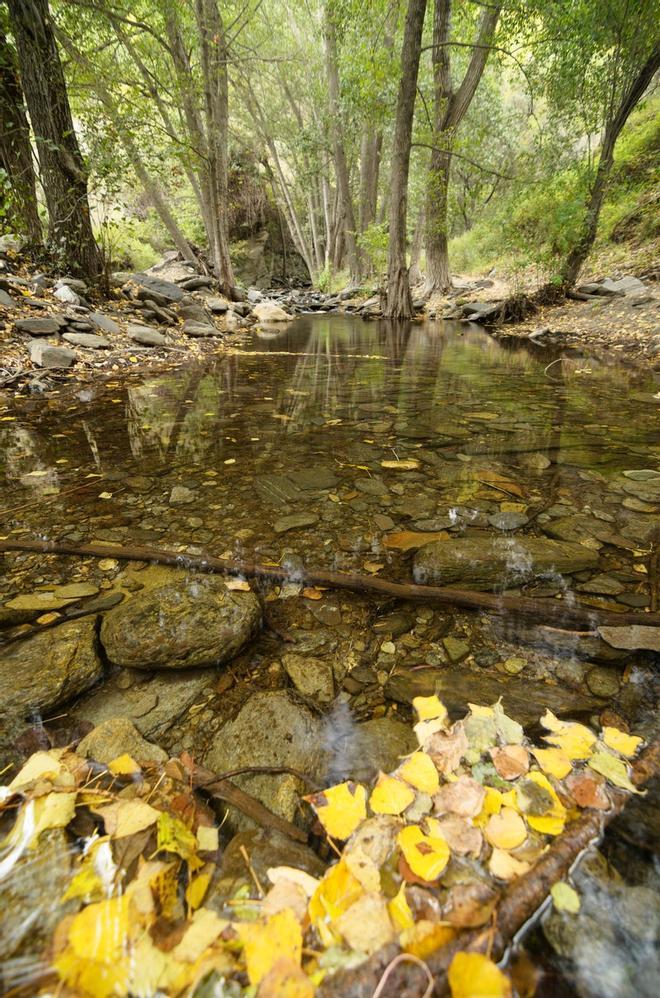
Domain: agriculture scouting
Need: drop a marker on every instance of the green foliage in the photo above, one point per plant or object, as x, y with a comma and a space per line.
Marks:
131, 243
374, 242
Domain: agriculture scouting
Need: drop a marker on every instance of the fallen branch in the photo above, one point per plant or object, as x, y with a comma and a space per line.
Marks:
520, 903
540, 610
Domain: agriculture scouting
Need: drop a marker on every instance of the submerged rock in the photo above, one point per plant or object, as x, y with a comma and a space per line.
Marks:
499, 562
313, 677
633, 638
114, 738
181, 626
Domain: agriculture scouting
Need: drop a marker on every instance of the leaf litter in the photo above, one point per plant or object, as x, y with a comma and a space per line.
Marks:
423, 852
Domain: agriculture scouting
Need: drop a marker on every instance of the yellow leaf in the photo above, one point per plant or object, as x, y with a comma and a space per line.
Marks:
426, 855
551, 722
264, 944
425, 937
196, 889
337, 891
473, 975
99, 931
428, 708
174, 836
40, 766
126, 817
505, 830
424, 730
620, 742
286, 980
493, 803
553, 821
478, 711
565, 897
613, 769
399, 910
366, 926
575, 740
341, 808
553, 761
124, 765
420, 772
278, 874
204, 929
505, 866
390, 796
52, 811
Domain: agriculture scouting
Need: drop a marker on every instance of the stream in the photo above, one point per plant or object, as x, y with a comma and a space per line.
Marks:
345, 444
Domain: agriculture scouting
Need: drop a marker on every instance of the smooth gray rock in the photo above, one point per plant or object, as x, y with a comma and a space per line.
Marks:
217, 305
195, 623
89, 340
508, 520
268, 311
45, 326
146, 336
6, 300
198, 329
636, 637
115, 737
181, 495
104, 322
498, 562
44, 355
67, 295
295, 522
162, 292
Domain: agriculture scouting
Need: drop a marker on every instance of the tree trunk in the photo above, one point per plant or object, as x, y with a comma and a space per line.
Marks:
414, 273
399, 302
15, 147
347, 212
63, 173
213, 58
449, 109
370, 150
577, 256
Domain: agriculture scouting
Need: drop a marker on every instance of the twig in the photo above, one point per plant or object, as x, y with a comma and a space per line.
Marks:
404, 958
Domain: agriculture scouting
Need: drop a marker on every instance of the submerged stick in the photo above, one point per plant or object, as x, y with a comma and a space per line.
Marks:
540, 610
520, 903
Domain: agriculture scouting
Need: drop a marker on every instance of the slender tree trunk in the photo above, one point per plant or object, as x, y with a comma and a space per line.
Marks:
341, 166
63, 173
414, 273
577, 256
399, 302
449, 109
15, 147
213, 58
370, 151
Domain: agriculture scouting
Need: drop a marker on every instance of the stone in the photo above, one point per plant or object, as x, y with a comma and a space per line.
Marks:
498, 562
513, 666
313, 677
145, 336
89, 340
47, 670
44, 355
359, 751
268, 311
76, 590
197, 622
602, 585
509, 520
295, 522
181, 495
626, 285
115, 737
6, 300
217, 305
103, 322
162, 292
636, 637
314, 478
456, 650
372, 486
199, 329
45, 326
643, 475
603, 682
41, 601
271, 729
67, 295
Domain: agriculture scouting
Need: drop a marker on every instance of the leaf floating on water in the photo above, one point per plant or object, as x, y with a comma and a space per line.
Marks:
588, 790
552, 820
504, 866
462, 838
406, 464
472, 975
420, 772
399, 911
366, 926
430, 708
510, 761
390, 796
575, 740
264, 945
621, 742
341, 808
410, 540
565, 897
613, 769
464, 797
426, 855
447, 748
553, 761
505, 830
336, 892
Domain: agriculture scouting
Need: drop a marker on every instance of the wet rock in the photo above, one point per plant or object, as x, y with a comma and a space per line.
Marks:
89, 340
313, 677
372, 486
267, 311
359, 751
456, 650
603, 682
523, 699
181, 496
115, 737
217, 305
491, 563
44, 355
634, 638
509, 520
573, 528
271, 729
602, 585
45, 326
295, 522
395, 624
198, 622
145, 336
535, 461
314, 478
47, 670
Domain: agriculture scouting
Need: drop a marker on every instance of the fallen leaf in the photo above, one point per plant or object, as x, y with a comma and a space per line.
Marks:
410, 540
426, 855
425, 937
553, 761
420, 772
407, 464
464, 797
472, 975
341, 808
614, 770
285, 894
575, 740
207, 838
510, 761
265, 944
336, 892
366, 926
620, 742
126, 817
588, 790
447, 748
310, 592
369, 847
124, 765
552, 821
462, 838
510, 732
399, 910
390, 796
429, 708
504, 866
277, 874
40, 766
285, 979
505, 830
174, 836
565, 897
196, 890
237, 585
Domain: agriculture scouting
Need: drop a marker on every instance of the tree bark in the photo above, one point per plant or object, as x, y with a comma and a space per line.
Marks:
346, 209
577, 256
399, 302
414, 273
63, 172
370, 151
449, 109
15, 146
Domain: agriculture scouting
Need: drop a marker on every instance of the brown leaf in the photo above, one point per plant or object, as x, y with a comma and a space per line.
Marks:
465, 798
409, 540
470, 905
447, 748
588, 790
510, 761
462, 838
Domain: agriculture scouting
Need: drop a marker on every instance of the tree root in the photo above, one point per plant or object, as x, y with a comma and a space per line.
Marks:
550, 611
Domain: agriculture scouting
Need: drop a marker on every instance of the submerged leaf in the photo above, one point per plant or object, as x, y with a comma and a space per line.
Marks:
621, 742
613, 769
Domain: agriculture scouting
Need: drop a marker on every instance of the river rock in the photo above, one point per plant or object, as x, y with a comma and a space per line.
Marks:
269, 311
271, 729
45, 326
103, 322
217, 305
295, 522
47, 670
636, 637
498, 562
508, 520
89, 340
162, 292
115, 737
197, 622
44, 355
145, 336
360, 751
198, 329
313, 677
181, 495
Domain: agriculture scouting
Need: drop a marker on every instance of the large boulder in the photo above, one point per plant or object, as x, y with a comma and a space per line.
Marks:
45, 671
198, 622
271, 729
498, 562
269, 311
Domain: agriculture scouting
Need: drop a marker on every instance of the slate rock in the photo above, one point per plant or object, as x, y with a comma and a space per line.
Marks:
217, 305
146, 336
115, 737
163, 292
508, 520
45, 326
181, 495
360, 751
636, 637
6, 300
498, 562
89, 340
295, 521
67, 295
198, 329
104, 322
44, 355
195, 623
